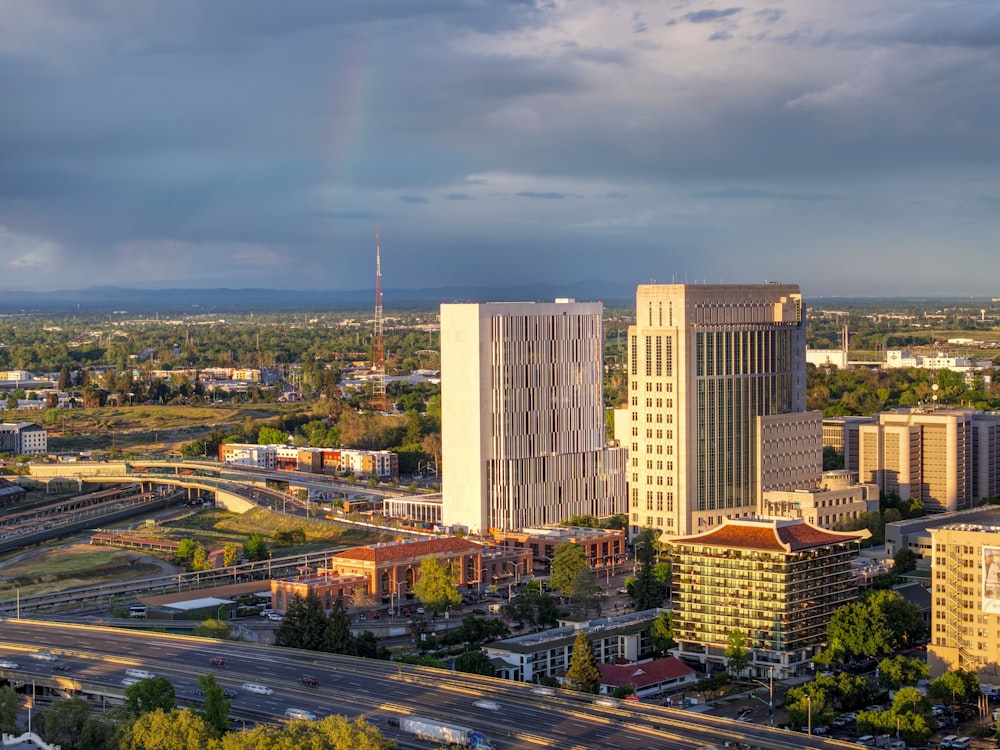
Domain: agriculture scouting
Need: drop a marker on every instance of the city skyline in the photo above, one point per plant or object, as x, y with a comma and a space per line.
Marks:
848, 146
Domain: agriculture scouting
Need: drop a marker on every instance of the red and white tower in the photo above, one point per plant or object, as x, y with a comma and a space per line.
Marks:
379, 400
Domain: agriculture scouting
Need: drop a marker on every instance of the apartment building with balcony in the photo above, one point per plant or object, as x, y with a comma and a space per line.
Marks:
775, 581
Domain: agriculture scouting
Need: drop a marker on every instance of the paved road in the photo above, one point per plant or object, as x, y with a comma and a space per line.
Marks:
98, 657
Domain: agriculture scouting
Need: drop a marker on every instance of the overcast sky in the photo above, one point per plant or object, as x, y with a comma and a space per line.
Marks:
849, 146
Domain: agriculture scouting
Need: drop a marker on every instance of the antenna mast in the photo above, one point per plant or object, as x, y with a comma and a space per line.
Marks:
379, 401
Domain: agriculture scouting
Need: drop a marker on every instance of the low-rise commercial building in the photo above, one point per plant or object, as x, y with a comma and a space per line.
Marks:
548, 653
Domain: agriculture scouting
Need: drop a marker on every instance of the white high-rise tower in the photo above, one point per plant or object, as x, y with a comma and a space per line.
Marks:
522, 416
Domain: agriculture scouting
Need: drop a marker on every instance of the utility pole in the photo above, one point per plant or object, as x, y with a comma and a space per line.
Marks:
379, 401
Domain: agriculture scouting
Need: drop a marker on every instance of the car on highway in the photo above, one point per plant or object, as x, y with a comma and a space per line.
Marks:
44, 656
275, 617
309, 681
60, 667
543, 690
606, 701
299, 713
7, 664
253, 687
487, 705
218, 661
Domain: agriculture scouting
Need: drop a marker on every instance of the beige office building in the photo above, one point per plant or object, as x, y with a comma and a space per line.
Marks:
705, 362
920, 453
522, 416
965, 609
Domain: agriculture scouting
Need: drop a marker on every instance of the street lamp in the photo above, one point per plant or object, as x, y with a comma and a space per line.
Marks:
770, 694
809, 707
393, 596
516, 578
635, 555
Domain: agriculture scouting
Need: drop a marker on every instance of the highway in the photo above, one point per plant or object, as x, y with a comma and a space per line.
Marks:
97, 658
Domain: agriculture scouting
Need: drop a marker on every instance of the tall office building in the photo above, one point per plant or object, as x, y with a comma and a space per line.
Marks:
522, 416
705, 362
923, 453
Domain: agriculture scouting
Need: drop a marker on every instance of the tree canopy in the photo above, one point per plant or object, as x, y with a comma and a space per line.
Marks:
436, 585
583, 674
569, 559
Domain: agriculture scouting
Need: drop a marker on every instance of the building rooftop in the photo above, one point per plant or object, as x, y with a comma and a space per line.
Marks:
381, 553
770, 535
644, 674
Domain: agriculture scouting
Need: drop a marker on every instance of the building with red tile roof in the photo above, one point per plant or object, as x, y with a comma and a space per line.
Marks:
648, 677
392, 568
774, 581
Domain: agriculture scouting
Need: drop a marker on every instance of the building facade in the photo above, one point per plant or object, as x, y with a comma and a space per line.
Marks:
838, 497
526, 658
923, 454
23, 439
522, 416
775, 581
705, 362
965, 611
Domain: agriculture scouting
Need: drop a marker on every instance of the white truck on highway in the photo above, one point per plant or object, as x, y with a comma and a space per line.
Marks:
438, 731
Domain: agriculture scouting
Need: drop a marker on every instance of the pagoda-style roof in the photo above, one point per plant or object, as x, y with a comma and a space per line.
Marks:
381, 553
769, 535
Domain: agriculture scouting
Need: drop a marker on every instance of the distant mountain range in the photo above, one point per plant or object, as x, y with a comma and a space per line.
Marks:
110, 299
99, 300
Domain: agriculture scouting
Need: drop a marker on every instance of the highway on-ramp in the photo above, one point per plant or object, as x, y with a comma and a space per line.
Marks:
517, 717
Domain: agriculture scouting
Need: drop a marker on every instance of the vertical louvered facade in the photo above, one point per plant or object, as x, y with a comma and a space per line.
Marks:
523, 438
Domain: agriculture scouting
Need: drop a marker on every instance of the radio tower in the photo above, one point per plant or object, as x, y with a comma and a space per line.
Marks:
379, 401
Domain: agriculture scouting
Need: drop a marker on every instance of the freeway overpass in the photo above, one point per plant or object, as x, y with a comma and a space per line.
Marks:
96, 659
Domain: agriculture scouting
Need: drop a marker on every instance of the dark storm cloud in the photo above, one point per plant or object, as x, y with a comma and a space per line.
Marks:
710, 16
175, 138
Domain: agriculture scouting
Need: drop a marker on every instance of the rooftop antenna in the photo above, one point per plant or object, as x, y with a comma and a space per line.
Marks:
379, 401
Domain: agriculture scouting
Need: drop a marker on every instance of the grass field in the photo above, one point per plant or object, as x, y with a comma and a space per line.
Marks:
149, 428
62, 568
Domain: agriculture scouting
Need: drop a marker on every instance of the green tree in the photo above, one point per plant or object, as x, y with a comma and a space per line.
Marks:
199, 560
271, 436
737, 654
64, 378
337, 635
955, 686
10, 707
185, 549
876, 626
436, 585
901, 671
809, 701
212, 628
255, 548
215, 709
661, 633
475, 662
583, 674
148, 695
231, 554
647, 591
62, 722
567, 561
167, 729
586, 591
100, 732
304, 624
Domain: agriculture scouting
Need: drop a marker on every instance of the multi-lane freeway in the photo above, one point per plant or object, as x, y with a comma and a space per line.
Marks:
517, 716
